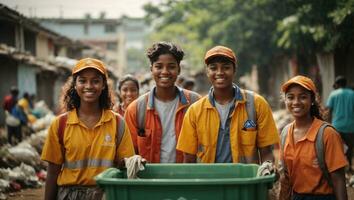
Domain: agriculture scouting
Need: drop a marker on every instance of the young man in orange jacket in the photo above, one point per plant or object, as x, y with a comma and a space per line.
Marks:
155, 118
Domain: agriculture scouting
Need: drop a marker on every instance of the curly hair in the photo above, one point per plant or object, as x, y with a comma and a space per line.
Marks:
316, 109
71, 100
161, 48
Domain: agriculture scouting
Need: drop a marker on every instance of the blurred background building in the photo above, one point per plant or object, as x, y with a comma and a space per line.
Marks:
118, 42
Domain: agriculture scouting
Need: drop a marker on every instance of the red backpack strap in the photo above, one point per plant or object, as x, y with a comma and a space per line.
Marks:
61, 129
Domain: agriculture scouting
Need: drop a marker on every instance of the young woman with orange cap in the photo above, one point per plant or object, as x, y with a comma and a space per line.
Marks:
302, 177
87, 139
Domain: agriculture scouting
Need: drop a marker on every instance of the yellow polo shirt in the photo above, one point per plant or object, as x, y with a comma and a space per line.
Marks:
88, 152
201, 123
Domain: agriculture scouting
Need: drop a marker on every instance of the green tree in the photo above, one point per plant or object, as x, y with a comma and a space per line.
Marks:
197, 25
257, 30
316, 25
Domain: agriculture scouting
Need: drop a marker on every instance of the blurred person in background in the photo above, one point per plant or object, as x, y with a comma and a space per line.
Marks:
340, 104
155, 118
32, 100
19, 113
25, 102
302, 176
10, 100
13, 123
180, 80
128, 91
188, 84
87, 139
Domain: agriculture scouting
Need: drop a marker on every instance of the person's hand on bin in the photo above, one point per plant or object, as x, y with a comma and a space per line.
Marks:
266, 168
134, 164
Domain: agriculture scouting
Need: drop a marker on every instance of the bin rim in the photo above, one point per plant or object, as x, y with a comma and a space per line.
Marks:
106, 178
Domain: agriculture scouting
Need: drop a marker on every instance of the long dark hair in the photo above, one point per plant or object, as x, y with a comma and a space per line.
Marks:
316, 109
70, 99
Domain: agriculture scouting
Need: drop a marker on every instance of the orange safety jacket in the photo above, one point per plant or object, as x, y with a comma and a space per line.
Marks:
147, 142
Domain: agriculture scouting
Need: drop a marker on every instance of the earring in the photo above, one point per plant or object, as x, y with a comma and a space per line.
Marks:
312, 104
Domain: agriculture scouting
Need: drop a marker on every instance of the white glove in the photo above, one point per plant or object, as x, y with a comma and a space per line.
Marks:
134, 164
267, 168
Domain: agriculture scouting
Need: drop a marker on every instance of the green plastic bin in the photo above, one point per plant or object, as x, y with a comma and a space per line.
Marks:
187, 182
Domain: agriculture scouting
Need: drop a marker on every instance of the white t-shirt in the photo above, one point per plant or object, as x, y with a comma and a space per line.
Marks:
167, 114
223, 111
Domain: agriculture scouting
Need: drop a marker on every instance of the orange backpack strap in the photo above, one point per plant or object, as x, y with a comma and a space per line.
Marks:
61, 129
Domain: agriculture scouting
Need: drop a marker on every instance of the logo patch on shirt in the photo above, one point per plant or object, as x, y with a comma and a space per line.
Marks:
107, 141
249, 124
107, 138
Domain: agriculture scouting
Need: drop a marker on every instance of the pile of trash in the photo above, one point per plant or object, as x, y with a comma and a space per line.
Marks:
20, 165
350, 180
44, 116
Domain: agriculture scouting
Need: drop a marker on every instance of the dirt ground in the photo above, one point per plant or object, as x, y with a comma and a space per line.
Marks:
28, 194
37, 194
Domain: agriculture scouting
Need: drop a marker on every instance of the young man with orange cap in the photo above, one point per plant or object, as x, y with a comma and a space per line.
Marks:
311, 150
229, 125
87, 139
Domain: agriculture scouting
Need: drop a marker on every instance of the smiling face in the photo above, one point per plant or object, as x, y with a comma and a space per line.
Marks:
128, 92
298, 101
89, 85
165, 71
221, 73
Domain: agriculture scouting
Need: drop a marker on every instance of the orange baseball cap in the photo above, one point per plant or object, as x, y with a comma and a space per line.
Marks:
89, 63
220, 51
302, 81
